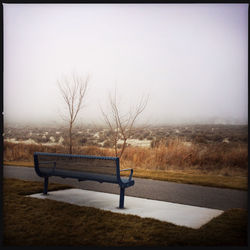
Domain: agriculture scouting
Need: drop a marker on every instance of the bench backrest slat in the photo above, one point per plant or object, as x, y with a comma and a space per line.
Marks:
80, 163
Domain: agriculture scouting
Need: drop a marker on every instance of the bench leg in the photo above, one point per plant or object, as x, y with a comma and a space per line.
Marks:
122, 191
46, 182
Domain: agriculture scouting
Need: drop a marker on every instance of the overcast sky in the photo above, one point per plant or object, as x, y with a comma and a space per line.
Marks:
191, 59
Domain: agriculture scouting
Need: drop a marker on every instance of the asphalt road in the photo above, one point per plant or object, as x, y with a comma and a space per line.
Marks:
210, 197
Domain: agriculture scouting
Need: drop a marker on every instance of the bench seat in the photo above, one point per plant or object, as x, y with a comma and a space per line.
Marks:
86, 176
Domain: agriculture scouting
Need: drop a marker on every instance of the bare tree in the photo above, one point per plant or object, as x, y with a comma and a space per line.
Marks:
73, 92
121, 125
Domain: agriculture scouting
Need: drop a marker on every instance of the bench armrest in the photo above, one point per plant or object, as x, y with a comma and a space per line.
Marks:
131, 172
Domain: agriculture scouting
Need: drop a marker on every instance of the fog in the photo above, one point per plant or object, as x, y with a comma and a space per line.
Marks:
191, 59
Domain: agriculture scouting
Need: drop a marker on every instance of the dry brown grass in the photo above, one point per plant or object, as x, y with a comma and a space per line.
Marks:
178, 155
24, 152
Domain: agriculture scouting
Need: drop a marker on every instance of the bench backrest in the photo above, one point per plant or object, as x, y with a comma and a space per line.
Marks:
80, 163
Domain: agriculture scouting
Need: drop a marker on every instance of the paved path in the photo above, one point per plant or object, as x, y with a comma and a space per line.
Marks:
210, 197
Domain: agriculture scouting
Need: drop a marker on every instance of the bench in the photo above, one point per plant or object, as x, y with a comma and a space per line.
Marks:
82, 167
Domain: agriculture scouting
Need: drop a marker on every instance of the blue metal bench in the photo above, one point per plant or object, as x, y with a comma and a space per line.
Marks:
82, 167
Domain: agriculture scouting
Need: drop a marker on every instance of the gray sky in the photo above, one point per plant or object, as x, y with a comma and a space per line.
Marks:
192, 59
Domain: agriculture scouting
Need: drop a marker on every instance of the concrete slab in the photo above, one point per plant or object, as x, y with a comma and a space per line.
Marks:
182, 215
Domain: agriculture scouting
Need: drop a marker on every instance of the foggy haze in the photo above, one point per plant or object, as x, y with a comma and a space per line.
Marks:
191, 59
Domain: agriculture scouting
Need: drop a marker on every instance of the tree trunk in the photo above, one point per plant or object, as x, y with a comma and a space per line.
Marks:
123, 146
70, 138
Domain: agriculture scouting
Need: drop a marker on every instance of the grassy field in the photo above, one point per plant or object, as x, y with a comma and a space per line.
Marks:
33, 222
217, 165
178, 154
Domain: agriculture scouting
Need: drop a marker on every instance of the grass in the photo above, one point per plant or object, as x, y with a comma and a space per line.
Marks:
34, 222
19, 163
176, 153
180, 176
216, 165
